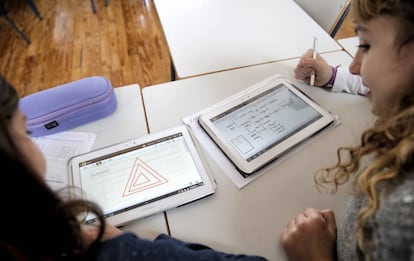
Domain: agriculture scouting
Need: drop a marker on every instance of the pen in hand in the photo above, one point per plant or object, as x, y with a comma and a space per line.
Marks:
312, 78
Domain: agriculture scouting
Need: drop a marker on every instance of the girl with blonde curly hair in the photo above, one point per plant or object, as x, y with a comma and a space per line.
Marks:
379, 220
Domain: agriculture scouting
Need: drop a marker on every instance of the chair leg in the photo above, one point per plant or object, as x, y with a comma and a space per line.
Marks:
3, 13
93, 6
16, 28
34, 8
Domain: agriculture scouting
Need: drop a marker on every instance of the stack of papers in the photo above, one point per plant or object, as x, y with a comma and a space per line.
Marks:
58, 149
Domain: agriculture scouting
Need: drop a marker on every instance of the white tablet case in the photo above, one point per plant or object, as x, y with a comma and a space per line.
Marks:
262, 123
142, 177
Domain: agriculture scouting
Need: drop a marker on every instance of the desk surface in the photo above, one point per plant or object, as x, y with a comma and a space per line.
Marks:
128, 117
214, 35
251, 220
350, 44
127, 122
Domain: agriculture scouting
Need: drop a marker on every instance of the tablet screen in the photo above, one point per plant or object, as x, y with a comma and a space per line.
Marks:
139, 175
261, 122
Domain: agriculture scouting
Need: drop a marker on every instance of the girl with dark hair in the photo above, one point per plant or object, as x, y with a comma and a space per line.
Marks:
37, 224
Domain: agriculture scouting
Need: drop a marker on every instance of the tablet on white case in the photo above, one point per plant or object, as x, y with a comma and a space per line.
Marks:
263, 123
141, 177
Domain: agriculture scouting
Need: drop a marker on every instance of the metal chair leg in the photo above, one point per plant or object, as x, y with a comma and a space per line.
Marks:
93, 6
17, 29
3, 13
34, 9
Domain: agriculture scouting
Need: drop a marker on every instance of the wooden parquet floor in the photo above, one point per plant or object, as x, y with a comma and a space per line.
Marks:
123, 41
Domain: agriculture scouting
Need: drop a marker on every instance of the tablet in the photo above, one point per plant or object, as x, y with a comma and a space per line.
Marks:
141, 177
263, 123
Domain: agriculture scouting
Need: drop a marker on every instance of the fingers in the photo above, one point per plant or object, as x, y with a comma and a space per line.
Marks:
290, 226
303, 72
312, 215
304, 69
308, 66
317, 218
329, 216
308, 236
308, 54
303, 219
308, 58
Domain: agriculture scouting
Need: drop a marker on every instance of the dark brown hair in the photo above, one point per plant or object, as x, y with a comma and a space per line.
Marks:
36, 224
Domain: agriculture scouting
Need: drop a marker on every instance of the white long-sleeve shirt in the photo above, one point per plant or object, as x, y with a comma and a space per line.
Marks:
345, 81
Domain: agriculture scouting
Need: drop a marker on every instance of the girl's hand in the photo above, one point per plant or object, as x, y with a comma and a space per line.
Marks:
311, 236
307, 65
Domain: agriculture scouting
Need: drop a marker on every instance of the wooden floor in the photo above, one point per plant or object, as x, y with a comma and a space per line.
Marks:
123, 41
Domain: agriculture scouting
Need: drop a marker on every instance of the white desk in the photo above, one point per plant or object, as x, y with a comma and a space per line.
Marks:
350, 44
251, 220
213, 35
127, 122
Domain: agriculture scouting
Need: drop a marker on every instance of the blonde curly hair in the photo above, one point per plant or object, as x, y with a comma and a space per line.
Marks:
389, 144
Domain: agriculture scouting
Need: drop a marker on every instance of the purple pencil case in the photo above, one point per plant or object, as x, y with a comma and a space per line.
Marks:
69, 105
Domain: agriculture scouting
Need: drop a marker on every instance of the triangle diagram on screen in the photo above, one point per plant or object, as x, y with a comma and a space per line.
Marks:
142, 177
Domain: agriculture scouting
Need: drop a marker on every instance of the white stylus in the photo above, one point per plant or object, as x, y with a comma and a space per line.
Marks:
312, 79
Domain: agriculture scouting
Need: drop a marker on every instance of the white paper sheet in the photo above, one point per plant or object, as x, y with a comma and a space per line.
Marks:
226, 165
58, 149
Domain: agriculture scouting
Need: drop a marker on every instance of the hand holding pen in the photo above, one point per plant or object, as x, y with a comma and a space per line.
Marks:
317, 66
